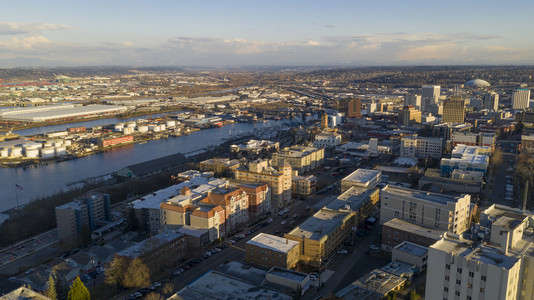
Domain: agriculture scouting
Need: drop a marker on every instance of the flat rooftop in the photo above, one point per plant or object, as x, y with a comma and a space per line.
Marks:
421, 195
215, 285
288, 274
321, 224
352, 198
483, 253
362, 176
150, 244
399, 224
412, 249
273, 242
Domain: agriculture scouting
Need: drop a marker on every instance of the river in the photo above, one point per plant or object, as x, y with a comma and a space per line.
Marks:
47, 180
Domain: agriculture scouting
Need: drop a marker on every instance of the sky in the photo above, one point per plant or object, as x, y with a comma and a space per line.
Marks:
258, 33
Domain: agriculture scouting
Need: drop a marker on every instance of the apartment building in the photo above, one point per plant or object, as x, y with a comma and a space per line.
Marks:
278, 179
219, 165
421, 147
482, 139
363, 202
396, 231
267, 251
495, 268
303, 159
83, 212
210, 218
235, 203
424, 208
259, 198
520, 98
361, 178
320, 235
165, 249
303, 185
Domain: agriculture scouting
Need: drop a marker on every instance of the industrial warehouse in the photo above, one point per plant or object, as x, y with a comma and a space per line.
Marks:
60, 112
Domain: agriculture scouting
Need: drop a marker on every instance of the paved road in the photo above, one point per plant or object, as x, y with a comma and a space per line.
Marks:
27, 247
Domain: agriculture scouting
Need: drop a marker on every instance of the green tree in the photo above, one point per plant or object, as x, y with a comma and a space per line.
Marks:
60, 285
78, 291
115, 272
51, 287
137, 274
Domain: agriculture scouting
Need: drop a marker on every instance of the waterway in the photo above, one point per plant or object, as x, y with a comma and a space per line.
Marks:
51, 179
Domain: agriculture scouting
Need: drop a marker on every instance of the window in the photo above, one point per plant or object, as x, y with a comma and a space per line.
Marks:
482, 290
471, 274
458, 281
446, 277
447, 266
459, 270
457, 293
483, 278
446, 289
469, 285
468, 297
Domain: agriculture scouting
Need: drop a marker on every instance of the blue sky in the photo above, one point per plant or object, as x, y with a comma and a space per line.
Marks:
237, 33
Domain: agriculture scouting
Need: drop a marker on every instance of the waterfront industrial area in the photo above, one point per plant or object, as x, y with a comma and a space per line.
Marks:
282, 184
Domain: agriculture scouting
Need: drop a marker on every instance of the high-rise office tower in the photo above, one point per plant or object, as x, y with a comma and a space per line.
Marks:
454, 110
413, 100
355, 108
429, 96
409, 115
491, 101
520, 99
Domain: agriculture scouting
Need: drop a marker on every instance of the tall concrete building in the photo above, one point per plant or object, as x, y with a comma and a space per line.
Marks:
413, 100
409, 115
427, 209
454, 110
520, 99
430, 96
301, 158
355, 108
82, 214
491, 101
498, 267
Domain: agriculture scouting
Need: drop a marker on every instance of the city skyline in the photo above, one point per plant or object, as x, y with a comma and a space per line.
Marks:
241, 33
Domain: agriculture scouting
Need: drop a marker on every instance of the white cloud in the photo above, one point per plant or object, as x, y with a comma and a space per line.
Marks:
16, 28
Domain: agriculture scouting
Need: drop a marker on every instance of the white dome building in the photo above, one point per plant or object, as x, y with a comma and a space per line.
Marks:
477, 83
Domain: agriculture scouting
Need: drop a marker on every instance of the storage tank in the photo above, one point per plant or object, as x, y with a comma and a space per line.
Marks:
142, 128
47, 145
162, 127
128, 130
60, 151
119, 126
32, 153
4, 152
67, 142
130, 124
47, 152
170, 123
16, 151
57, 143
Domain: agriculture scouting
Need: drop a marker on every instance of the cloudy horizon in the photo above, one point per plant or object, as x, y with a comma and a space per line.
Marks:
146, 34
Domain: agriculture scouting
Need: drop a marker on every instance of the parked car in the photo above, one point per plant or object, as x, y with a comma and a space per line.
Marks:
342, 251
374, 247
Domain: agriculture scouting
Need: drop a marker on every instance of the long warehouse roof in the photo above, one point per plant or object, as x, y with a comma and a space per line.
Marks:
62, 112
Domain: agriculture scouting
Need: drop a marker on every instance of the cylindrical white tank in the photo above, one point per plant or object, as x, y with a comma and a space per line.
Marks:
57, 143
47, 145
60, 151
4, 152
67, 142
162, 127
142, 128
119, 126
128, 130
32, 153
16, 151
170, 123
47, 152
130, 124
